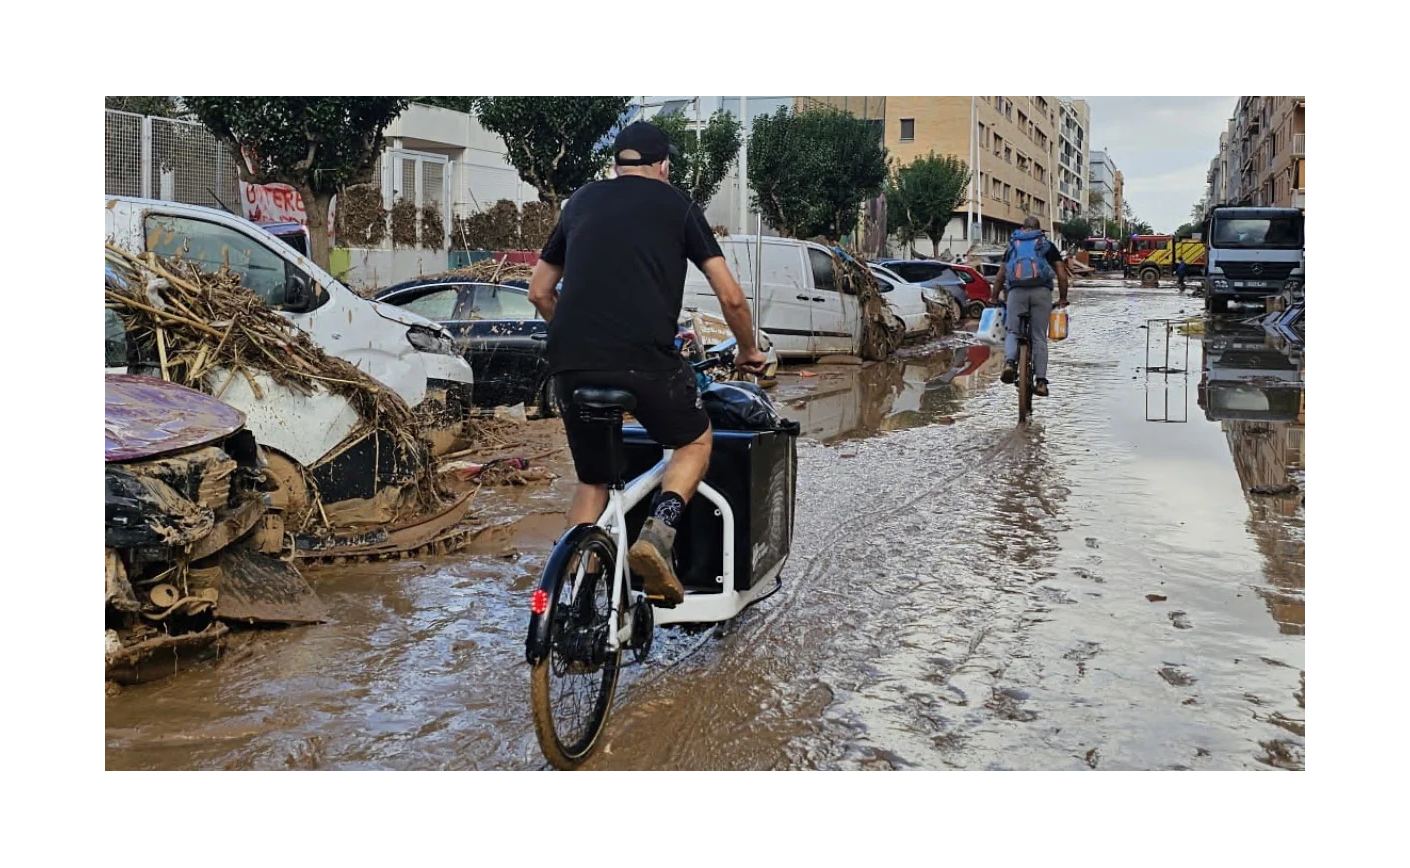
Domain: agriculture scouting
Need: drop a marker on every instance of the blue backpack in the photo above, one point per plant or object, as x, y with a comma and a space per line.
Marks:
1027, 262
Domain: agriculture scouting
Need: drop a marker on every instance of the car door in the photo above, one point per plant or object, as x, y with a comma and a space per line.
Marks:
836, 316
505, 340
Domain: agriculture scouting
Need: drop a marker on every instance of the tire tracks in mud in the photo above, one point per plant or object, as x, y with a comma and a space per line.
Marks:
798, 682
760, 661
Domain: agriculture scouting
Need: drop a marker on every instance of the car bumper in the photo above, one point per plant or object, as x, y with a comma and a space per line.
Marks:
449, 369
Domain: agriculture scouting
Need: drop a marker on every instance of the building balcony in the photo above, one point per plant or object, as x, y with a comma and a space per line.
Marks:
1299, 144
1299, 199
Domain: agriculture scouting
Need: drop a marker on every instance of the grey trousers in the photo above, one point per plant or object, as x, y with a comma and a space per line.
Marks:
1037, 302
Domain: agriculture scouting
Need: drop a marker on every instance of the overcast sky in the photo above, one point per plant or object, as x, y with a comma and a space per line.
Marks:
1162, 145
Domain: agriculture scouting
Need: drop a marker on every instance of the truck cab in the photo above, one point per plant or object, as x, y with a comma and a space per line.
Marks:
1252, 253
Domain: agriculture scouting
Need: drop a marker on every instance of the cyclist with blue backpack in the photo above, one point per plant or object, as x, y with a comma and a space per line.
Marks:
1031, 265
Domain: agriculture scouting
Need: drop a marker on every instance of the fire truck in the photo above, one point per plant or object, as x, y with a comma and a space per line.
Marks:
1102, 254
1151, 257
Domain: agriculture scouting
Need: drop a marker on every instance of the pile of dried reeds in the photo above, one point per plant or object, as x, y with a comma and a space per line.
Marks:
404, 220
486, 271
208, 329
433, 227
362, 221
493, 229
536, 224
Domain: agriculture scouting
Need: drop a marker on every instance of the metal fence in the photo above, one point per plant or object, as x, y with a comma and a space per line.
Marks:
160, 158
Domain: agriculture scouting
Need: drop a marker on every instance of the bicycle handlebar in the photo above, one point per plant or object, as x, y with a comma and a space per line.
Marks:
718, 360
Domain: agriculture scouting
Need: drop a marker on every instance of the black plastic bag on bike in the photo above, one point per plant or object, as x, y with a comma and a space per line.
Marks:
739, 406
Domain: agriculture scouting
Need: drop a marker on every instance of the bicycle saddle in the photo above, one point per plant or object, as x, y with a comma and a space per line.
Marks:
604, 399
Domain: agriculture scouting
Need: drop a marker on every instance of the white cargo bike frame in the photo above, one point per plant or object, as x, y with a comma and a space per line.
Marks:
700, 607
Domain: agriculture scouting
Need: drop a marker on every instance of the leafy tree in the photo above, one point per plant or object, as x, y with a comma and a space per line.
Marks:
555, 142
158, 106
706, 158
317, 145
922, 197
811, 170
1075, 231
1187, 230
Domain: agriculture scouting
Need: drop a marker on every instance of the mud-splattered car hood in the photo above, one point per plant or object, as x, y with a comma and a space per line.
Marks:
147, 417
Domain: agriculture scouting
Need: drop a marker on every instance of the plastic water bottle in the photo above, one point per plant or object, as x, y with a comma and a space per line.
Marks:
1057, 324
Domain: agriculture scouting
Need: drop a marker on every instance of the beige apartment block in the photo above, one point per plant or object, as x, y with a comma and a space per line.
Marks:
1268, 151
1018, 140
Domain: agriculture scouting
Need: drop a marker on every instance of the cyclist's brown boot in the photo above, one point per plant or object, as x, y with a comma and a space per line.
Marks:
650, 558
1010, 374
1040, 388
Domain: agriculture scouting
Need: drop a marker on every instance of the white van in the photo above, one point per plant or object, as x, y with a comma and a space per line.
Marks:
406, 352
799, 304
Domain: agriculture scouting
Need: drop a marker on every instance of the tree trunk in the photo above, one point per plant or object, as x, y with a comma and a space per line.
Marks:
316, 207
934, 248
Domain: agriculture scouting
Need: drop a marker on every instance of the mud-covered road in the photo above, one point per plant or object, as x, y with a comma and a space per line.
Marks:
1098, 589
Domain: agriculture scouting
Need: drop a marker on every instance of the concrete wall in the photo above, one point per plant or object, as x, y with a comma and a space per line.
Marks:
364, 269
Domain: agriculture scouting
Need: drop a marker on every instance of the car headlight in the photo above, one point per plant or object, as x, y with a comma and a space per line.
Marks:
1293, 283
1219, 283
428, 341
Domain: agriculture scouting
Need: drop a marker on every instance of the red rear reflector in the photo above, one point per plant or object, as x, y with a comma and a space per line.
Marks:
539, 604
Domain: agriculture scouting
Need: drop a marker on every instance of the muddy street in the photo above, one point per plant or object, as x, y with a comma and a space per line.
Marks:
1099, 589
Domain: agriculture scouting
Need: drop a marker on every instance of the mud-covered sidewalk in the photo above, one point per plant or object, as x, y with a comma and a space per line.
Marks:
1099, 589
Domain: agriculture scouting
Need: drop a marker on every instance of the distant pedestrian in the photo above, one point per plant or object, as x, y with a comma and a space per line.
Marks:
1181, 269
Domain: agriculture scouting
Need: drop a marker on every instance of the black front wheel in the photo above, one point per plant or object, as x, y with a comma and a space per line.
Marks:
572, 684
1025, 383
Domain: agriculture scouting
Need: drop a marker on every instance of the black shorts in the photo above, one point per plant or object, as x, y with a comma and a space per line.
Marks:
667, 406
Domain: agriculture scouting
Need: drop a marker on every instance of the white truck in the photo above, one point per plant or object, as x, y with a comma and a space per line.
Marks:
799, 304
1252, 253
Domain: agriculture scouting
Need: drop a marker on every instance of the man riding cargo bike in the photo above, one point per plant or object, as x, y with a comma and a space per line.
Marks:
620, 250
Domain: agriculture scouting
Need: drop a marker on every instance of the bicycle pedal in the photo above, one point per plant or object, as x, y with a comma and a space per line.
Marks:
660, 602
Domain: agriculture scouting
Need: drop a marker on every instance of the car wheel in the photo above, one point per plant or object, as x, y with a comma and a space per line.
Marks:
547, 410
975, 309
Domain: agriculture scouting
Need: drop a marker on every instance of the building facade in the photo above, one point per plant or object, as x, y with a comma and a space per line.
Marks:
1262, 156
1074, 125
1101, 186
1012, 152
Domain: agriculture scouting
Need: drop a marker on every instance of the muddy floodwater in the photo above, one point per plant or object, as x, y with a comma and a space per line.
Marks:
1117, 585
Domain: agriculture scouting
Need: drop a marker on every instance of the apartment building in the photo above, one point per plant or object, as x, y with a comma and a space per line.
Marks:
1262, 157
1101, 186
1074, 124
1017, 141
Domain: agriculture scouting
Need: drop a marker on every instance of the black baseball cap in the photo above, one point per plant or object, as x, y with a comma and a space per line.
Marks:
648, 140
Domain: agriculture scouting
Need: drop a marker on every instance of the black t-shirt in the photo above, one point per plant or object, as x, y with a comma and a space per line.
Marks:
1053, 256
622, 245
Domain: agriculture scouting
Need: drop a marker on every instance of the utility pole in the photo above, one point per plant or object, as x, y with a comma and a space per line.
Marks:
973, 178
744, 165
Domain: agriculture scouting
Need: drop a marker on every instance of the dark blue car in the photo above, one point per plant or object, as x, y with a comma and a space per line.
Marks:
496, 328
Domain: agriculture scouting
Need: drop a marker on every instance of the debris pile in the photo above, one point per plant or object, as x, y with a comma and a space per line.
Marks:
536, 224
494, 229
404, 220
361, 219
207, 330
882, 331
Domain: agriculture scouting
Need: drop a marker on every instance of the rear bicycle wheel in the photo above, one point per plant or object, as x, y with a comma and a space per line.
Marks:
1025, 383
571, 688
